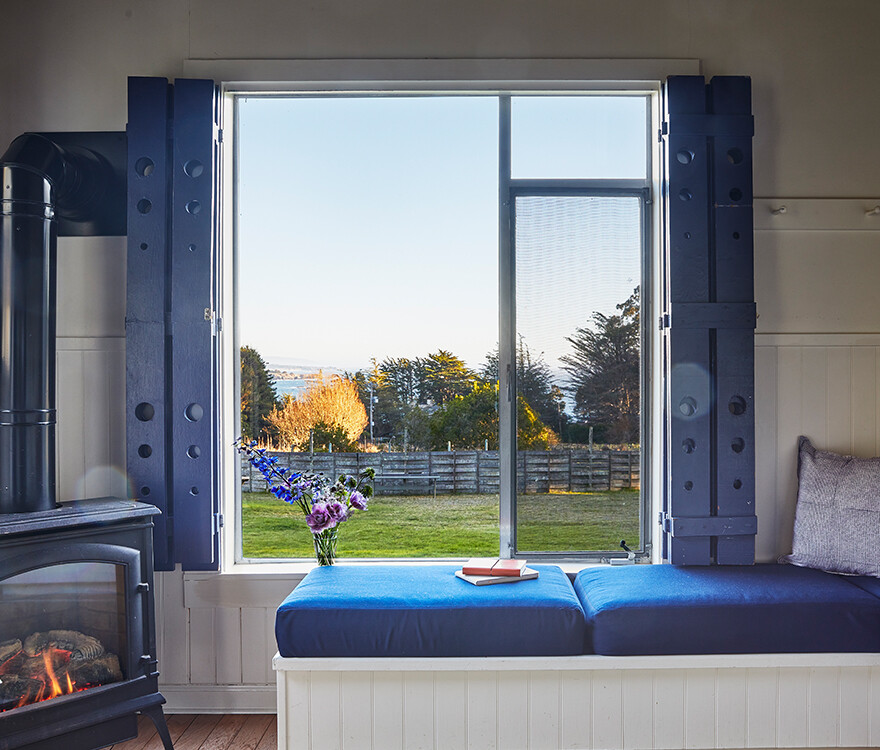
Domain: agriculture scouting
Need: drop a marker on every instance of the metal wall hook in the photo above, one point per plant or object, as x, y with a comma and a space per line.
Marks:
873, 211
777, 211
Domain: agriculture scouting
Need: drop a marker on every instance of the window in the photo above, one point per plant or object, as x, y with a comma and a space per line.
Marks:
368, 308
696, 359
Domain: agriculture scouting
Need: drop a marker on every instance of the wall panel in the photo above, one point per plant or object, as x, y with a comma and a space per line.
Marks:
90, 392
824, 387
637, 702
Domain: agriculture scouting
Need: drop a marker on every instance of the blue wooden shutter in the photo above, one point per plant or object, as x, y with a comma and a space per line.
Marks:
170, 320
708, 323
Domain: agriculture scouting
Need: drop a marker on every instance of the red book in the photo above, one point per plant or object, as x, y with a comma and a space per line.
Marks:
493, 566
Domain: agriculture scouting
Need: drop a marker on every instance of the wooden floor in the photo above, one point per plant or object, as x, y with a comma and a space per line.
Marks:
208, 732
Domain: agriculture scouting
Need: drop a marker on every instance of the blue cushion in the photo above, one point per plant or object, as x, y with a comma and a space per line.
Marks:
664, 609
384, 610
868, 583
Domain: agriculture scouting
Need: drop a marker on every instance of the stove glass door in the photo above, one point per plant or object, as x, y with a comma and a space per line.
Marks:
62, 630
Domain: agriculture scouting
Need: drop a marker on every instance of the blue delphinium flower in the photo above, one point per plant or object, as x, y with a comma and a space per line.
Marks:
324, 503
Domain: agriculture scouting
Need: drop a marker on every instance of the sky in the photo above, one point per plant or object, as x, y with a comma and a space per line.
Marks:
368, 226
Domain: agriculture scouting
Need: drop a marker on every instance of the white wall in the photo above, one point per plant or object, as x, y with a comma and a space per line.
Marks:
813, 66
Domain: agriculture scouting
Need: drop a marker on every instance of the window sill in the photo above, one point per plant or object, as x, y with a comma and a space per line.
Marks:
265, 585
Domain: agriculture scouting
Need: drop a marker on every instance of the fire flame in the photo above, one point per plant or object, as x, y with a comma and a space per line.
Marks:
53, 680
51, 686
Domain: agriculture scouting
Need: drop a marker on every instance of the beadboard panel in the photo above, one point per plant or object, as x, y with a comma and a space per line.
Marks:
616, 706
824, 387
90, 395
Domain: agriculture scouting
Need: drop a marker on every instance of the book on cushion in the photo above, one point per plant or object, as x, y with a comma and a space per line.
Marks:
493, 566
527, 574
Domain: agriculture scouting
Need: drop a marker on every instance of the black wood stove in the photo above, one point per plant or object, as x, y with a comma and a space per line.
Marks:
77, 629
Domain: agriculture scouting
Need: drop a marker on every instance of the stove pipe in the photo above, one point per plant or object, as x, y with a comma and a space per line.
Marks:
36, 176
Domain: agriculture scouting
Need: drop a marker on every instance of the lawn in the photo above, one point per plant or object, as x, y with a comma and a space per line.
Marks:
448, 525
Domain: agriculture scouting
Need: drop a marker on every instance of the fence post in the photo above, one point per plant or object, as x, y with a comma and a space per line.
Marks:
549, 480
570, 481
590, 480
478, 471
629, 462
610, 470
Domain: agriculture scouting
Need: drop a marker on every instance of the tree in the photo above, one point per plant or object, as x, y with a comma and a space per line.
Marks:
604, 372
324, 437
401, 378
258, 396
471, 421
406, 391
534, 383
399, 382
333, 404
445, 376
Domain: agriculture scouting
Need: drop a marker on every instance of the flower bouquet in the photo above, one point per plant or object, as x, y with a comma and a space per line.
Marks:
325, 503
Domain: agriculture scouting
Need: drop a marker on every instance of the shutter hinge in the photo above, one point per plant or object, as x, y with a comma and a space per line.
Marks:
218, 522
219, 135
215, 320
664, 321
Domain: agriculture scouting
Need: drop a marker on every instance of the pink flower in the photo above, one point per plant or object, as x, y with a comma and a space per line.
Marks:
337, 511
320, 518
357, 500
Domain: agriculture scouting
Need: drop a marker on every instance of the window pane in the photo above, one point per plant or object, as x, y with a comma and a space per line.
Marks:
368, 245
578, 137
578, 271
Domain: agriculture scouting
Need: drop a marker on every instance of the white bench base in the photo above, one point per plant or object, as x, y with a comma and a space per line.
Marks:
523, 703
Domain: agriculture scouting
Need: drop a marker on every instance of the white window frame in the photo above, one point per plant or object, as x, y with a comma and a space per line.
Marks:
447, 77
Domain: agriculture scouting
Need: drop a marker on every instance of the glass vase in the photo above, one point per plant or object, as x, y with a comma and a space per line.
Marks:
325, 546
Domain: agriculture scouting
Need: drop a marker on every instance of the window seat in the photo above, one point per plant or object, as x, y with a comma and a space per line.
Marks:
819, 686
425, 611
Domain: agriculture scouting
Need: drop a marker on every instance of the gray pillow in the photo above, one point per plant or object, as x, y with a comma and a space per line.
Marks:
837, 520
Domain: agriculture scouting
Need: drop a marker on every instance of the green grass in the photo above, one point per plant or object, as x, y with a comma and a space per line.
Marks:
448, 525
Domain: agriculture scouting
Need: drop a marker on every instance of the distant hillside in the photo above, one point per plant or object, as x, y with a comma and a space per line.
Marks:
291, 378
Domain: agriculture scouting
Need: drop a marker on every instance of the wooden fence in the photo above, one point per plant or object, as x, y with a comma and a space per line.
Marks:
467, 472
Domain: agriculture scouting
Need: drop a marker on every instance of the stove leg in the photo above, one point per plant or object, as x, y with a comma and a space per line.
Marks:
155, 713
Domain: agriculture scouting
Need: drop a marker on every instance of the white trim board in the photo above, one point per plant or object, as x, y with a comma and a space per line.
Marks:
219, 699
590, 662
90, 344
439, 74
817, 214
816, 339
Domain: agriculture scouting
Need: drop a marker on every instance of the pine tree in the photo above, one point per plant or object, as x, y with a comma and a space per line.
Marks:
258, 396
604, 372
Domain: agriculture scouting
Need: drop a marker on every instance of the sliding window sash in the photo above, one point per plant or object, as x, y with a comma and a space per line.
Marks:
509, 190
